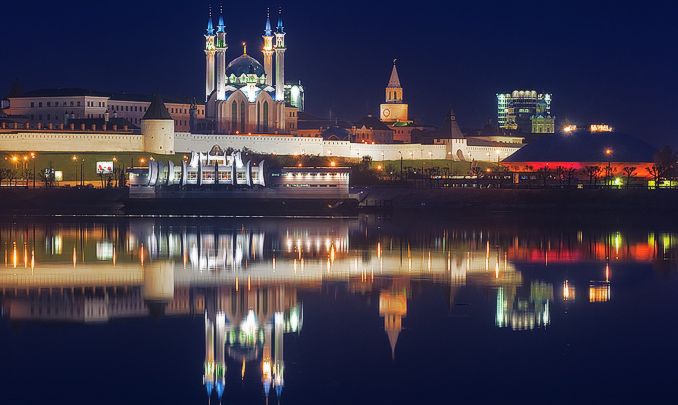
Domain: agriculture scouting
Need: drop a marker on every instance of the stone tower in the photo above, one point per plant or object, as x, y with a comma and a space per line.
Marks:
157, 128
394, 109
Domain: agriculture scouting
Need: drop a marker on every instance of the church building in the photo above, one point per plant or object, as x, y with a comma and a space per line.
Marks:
245, 96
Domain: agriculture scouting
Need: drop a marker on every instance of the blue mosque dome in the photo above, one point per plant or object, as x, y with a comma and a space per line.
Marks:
244, 65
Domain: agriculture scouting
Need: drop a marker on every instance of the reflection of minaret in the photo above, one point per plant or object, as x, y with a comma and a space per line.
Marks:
278, 363
393, 307
208, 377
266, 370
220, 371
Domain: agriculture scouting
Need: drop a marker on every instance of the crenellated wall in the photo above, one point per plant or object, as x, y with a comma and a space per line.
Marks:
71, 142
183, 142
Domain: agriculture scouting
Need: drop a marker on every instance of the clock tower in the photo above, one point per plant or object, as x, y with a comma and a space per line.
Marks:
394, 109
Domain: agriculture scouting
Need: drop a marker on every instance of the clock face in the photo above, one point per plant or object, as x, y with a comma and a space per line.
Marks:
387, 112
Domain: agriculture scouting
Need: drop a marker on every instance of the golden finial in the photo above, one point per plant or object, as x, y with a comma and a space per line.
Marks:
244, 48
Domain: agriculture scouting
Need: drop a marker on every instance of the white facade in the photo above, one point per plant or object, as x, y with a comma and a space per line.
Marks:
55, 110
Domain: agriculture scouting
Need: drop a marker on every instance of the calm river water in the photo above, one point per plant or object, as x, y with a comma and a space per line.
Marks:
314, 311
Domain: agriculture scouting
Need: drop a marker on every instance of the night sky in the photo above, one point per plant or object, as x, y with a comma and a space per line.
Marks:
604, 61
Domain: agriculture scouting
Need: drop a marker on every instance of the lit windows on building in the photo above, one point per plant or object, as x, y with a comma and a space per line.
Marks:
525, 111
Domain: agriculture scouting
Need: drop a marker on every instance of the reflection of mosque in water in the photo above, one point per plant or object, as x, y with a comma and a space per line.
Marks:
249, 327
244, 280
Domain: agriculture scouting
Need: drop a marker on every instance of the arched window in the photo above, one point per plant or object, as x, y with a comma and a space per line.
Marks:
234, 116
258, 117
266, 116
242, 116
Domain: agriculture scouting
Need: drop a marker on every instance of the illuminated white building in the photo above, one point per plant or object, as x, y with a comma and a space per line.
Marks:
242, 96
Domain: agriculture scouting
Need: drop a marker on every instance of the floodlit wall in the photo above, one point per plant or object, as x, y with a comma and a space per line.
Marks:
267, 144
288, 145
71, 142
183, 142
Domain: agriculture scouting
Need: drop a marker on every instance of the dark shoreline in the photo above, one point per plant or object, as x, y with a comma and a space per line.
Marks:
389, 201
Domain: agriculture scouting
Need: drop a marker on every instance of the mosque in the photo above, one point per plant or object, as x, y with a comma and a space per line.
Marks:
245, 96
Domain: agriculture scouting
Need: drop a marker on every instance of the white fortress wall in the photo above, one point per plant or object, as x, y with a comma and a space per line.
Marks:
71, 142
286, 145
54, 141
395, 151
267, 144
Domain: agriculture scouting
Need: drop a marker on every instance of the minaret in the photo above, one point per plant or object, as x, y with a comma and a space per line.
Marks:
268, 50
280, 60
221, 48
210, 50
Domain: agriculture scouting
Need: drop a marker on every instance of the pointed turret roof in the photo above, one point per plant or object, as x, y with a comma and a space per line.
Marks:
394, 81
157, 110
455, 131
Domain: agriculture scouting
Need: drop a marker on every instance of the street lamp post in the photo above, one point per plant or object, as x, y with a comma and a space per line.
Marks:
609, 152
75, 173
401, 166
33, 158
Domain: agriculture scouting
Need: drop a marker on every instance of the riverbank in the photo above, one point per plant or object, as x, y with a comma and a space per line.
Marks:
395, 201
407, 200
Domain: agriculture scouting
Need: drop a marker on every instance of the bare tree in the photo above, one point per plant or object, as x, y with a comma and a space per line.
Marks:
592, 172
544, 174
569, 175
3, 175
657, 174
11, 176
629, 171
560, 174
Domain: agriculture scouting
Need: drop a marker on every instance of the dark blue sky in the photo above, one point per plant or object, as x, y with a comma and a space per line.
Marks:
608, 61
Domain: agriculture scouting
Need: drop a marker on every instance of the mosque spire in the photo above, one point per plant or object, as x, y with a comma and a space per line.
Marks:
268, 31
281, 28
221, 25
210, 24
